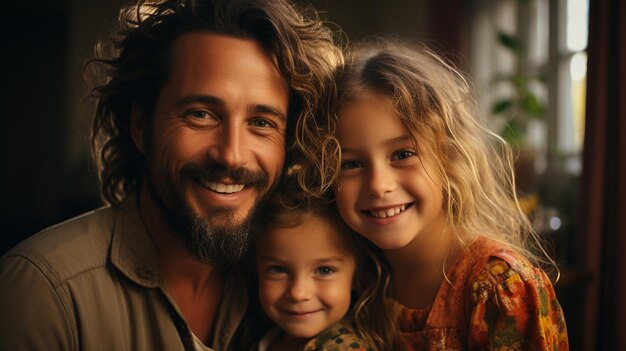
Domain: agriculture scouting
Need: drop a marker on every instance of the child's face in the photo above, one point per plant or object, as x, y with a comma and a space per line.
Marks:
385, 191
305, 277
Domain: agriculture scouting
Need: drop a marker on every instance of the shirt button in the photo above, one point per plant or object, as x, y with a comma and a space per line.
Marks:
142, 273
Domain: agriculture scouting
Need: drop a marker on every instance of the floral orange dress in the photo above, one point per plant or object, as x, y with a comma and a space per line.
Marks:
495, 300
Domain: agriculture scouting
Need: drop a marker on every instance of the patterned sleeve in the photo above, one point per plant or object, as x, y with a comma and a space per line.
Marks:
338, 338
515, 308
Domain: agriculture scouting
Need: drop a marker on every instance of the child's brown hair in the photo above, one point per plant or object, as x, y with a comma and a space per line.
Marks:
370, 312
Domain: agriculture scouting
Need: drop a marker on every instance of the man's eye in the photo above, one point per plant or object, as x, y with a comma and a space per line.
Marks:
325, 270
261, 123
402, 154
350, 165
199, 114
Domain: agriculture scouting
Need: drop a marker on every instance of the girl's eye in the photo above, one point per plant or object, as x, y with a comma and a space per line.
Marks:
350, 165
402, 154
277, 270
325, 270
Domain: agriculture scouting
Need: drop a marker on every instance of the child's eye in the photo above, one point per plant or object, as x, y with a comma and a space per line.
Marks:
277, 270
402, 154
350, 165
325, 270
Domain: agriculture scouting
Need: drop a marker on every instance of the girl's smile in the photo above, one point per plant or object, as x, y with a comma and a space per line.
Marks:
305, 276
385, 191
301, 314
389, 211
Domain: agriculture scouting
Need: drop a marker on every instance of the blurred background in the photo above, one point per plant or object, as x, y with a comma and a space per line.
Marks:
531, 62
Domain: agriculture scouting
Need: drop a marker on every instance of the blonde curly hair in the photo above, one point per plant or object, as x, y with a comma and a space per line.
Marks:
437, 106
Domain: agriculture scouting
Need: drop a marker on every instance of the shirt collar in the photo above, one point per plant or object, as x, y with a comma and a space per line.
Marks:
132, 251
135, 255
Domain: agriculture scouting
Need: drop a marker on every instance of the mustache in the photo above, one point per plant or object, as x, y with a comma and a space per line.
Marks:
214, 172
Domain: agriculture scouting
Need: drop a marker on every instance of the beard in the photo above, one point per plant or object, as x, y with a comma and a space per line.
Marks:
216, 238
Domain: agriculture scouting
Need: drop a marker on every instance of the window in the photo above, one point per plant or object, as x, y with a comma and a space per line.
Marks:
528, 60
552, 57
572, 61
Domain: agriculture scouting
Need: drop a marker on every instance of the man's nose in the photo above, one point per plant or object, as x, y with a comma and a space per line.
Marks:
227, 147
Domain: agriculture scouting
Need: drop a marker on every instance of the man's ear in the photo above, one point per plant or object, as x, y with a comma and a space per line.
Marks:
138, 127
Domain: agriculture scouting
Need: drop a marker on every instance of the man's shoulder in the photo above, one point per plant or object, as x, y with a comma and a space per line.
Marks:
70, 247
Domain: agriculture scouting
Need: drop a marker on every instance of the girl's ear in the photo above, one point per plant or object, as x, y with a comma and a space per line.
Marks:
138, 128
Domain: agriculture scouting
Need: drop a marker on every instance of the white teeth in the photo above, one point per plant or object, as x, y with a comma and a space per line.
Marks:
223, 188
388, 212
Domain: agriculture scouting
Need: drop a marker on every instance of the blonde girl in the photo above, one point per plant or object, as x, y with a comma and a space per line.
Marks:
413, 170
319, 283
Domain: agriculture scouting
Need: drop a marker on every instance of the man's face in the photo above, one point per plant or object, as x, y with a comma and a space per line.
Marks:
216, 144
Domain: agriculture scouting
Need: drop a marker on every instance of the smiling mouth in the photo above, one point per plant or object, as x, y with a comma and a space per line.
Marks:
222, 188
300, 313
388, 212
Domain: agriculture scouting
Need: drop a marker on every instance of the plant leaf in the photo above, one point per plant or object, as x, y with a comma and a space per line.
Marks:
511, 42
512, 133
501, 106
532, 106
520, 81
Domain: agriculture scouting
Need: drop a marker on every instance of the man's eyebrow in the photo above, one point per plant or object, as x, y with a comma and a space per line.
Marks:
205, 99
270, 110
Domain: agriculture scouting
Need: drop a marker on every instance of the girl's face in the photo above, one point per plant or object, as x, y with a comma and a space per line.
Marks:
385, 191
305, 277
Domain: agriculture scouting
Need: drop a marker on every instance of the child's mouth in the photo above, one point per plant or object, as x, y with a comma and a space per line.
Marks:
388, 212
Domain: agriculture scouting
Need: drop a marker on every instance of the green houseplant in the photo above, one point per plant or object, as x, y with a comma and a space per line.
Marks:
520, 107
523, 104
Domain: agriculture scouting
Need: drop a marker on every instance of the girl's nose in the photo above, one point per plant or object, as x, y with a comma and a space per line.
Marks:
300, 289
380, 181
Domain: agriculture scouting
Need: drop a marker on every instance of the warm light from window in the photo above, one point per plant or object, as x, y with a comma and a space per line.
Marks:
578, 66
578, 74
577, 11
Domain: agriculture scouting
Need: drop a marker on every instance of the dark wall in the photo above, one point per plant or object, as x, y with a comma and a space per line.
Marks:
440, 24
32, 114
46, 177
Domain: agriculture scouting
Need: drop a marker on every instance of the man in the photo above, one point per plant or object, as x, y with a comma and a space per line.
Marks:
192, 121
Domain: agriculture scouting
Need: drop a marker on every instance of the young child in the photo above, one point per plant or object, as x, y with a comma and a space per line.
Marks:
418, 176
319, 282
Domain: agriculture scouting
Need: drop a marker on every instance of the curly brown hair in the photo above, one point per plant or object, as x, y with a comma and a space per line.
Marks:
131, 65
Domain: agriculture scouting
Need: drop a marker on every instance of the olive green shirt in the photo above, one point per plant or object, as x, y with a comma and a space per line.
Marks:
92, 283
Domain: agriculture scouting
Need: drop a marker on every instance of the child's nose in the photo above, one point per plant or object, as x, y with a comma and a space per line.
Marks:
380, 181
300, 289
